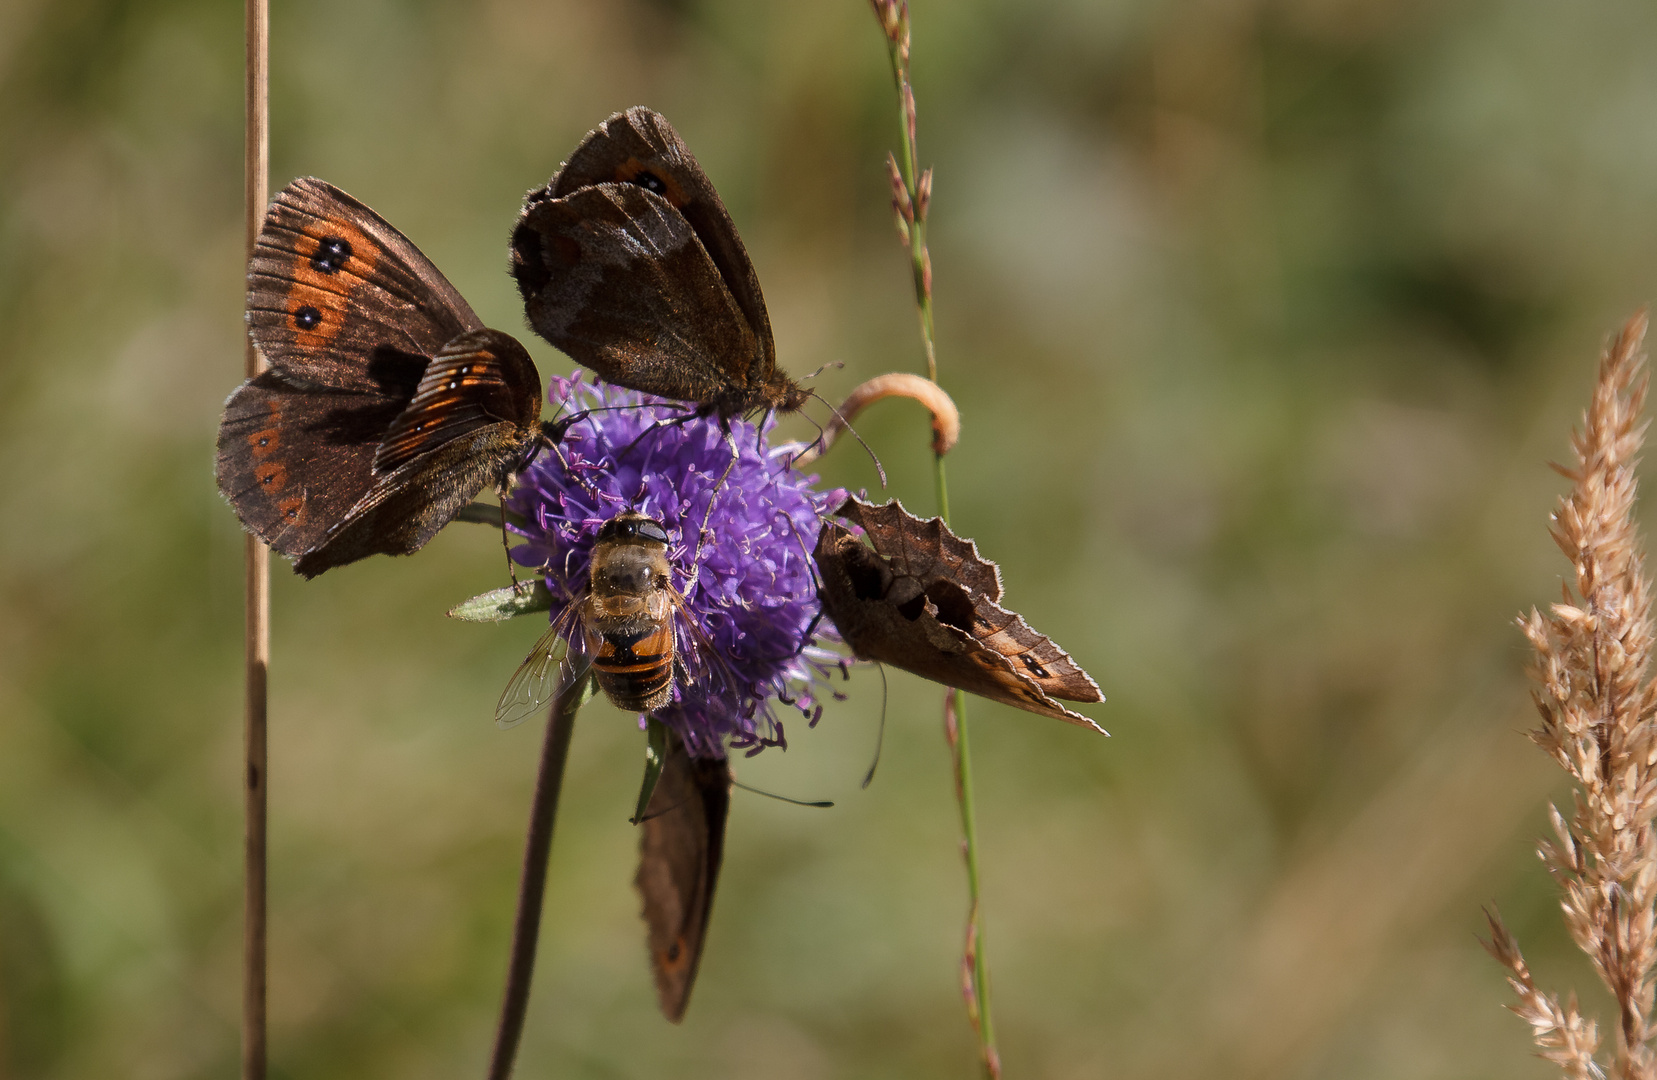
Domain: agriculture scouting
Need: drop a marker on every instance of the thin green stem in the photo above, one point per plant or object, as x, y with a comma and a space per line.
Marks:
940, 486
976, 981
911, 204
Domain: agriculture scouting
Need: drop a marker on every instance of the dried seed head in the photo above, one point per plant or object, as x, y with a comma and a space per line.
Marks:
923, 195
909, 112
901, 205
891, 20
1593, 650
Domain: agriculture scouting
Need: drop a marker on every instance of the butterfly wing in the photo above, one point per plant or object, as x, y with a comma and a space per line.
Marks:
330, 283
614, 276
965, 587
680, 849
480, 379
640, 147
904, 603
350, 315
293, 458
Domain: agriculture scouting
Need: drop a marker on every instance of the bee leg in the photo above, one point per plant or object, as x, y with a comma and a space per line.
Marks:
702, 534
677, 421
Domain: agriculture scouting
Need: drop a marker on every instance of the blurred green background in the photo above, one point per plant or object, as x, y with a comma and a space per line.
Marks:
1264, 317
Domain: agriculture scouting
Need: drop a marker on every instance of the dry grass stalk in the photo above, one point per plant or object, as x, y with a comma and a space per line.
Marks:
1599, 721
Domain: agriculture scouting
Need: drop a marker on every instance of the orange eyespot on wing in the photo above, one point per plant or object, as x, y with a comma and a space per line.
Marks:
658, 180
272, 476
265, 442
331, 285
332, 259
351, 316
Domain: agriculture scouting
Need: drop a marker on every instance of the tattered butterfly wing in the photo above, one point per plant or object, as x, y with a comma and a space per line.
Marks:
640, 147
680, 850
331, 283
293, 460
481, 378
923, 550
617, 279
910, 602
927, 551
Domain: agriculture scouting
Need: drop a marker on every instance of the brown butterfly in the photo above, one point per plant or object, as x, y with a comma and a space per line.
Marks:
922, 599
679, 854
628, 262
387, 406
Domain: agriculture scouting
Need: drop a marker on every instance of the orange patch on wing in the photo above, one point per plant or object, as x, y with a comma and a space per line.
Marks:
675, 957
265, 442
627, 170
328, 293
292, 509
272, 476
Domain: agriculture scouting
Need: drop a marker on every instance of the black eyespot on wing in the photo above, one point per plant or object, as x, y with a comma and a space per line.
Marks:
650, 182
307, 317
331, 253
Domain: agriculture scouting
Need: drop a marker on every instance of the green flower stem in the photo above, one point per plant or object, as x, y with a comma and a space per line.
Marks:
911, 212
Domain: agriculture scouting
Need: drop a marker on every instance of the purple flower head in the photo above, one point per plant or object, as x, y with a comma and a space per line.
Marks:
751, 591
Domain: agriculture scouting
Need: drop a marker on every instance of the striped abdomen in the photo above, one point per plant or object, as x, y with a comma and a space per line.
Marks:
635, 670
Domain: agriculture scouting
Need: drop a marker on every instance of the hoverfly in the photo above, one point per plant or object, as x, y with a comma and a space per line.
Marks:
622, 627
621, 624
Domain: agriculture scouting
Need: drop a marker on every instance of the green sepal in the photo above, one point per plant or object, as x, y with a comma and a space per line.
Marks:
499, 605
655, 753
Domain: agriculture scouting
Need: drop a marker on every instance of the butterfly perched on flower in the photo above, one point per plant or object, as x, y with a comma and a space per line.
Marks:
628, 261
388, 404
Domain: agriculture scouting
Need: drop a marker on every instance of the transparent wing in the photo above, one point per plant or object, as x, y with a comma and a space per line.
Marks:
551, 662
703, 667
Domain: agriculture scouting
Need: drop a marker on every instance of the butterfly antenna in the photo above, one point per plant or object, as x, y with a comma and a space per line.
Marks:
822, 805
811, 563
825, 367
841, 421
642, 818
880, 737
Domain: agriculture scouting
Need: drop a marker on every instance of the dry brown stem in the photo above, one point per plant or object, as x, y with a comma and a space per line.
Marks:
1599, 722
